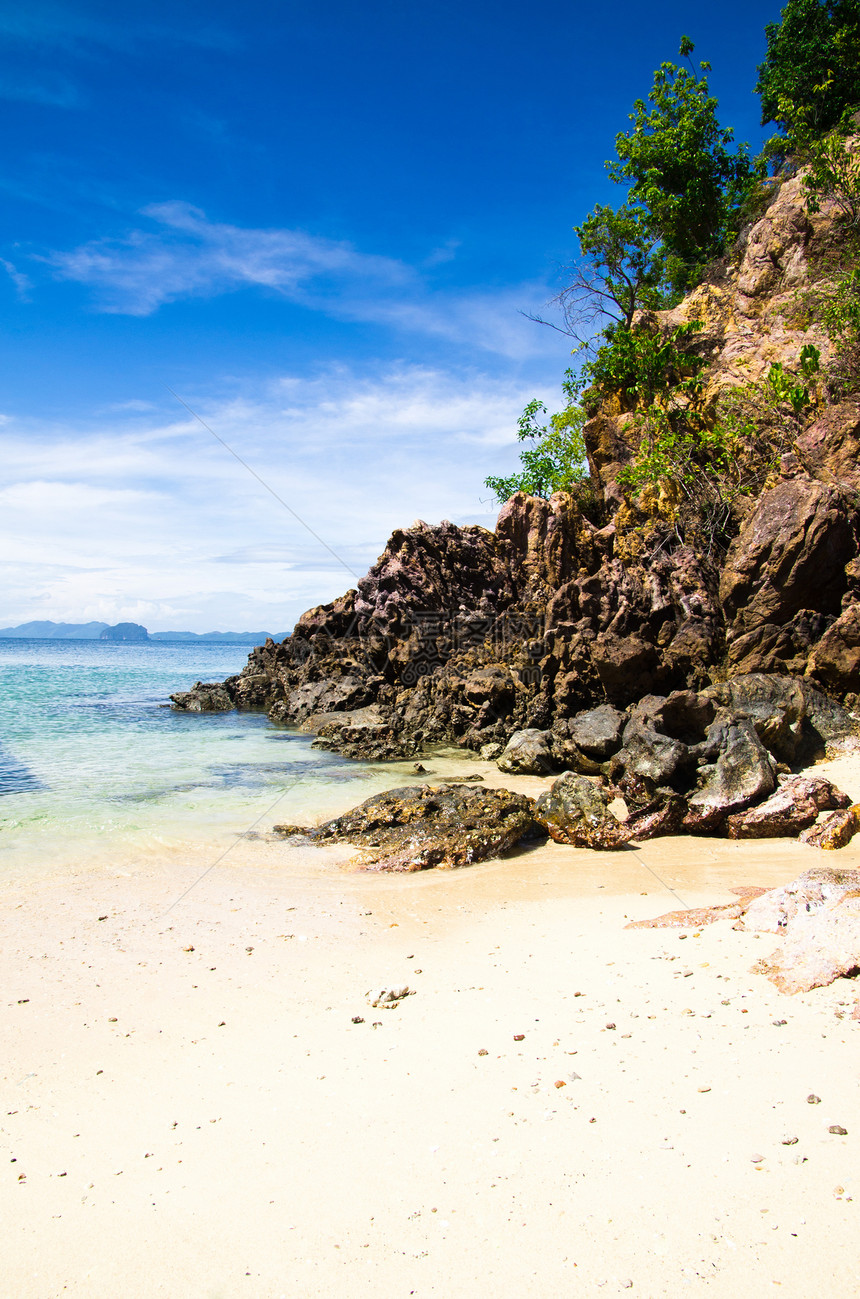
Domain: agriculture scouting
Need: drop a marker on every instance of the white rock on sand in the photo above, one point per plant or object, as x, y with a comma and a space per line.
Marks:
190, 1107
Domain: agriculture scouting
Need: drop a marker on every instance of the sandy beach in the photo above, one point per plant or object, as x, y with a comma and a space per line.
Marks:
563, 1106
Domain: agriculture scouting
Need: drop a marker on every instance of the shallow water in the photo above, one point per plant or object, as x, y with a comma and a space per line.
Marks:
93, 767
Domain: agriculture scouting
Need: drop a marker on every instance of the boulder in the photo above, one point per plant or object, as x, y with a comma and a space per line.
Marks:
835, 831
743, 774
584, 742
211, 697
575, 810
663, 815
527, 753
648, 754
597, 732
420, 826
793, 807
793, 720
684, 714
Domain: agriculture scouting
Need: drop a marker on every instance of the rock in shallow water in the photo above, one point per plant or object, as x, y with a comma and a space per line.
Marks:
420, 826
203, 697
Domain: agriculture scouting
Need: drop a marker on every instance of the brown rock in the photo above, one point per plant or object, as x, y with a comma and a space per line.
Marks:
835, 660
789, 557
420, 826
835, 831
794, 807
663, 815
576, 811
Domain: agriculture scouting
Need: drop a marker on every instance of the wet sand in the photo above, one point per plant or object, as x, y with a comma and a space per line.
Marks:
190, 1108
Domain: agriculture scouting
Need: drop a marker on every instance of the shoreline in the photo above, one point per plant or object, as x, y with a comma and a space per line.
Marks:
191, 1116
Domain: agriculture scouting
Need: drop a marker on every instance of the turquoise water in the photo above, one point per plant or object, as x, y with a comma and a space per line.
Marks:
93, 766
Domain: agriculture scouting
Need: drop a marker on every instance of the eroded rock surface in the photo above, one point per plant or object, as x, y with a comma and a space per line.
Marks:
793, 807
419, 826
576, 811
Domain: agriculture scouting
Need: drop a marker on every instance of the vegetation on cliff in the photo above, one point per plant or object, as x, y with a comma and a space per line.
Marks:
680, 553
691, 201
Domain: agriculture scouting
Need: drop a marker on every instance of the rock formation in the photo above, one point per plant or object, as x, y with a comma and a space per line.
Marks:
590, 633
420, 826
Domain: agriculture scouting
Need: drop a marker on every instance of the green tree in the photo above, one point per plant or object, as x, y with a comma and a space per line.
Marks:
811, 72
621, 270
554, 460
681, 170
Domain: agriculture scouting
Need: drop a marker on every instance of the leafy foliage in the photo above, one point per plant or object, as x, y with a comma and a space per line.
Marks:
833, 173
681, 170
554, 460
642, 366
812, 67
621, 271
704, 465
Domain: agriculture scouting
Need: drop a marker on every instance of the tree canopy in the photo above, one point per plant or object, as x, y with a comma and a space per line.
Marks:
812, 68
681, 169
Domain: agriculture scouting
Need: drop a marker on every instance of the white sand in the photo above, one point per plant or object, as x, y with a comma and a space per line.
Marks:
212, 1123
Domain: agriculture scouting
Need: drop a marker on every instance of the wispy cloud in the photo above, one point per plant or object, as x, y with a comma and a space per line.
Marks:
181, 254
188, 256
22, 282
146, 512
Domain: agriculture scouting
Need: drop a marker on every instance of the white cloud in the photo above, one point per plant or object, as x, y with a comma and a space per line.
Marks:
150, 519
188, 256
182, 254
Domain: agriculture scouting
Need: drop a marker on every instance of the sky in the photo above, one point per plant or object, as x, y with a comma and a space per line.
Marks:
319, 225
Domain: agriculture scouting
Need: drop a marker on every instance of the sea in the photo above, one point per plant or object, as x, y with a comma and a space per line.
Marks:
96, 769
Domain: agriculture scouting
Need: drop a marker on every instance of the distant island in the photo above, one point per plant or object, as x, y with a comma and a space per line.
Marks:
124, 632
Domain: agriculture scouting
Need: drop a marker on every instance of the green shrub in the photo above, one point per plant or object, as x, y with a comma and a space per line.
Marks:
555, 460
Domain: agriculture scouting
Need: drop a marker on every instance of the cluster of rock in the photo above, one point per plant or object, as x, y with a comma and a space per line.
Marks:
591, 636
458, 634
715, 761
451, 825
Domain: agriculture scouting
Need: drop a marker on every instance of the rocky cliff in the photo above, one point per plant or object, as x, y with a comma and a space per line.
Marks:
464, 635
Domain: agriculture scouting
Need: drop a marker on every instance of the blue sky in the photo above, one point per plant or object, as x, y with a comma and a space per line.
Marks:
319, 224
